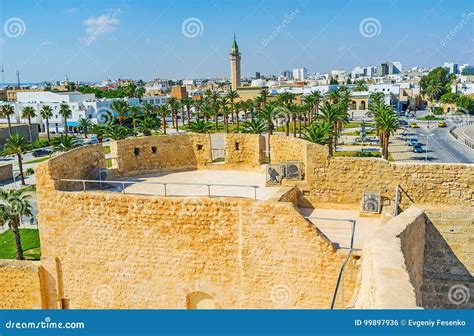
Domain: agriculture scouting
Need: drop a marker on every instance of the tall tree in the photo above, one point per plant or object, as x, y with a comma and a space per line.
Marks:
16, 145
28, 113
134, 110
7, 111
187, 102
66, 113
13, 205
121, 108
46, 112
387, 122
163, 111
85, 125
232, 95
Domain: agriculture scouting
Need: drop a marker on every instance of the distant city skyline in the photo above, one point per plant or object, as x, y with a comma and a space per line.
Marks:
92, 41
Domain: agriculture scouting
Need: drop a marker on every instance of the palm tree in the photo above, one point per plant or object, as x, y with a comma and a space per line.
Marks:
331, 113
8, 111
163, 111
316, 98
232, 95
225, 109
28, 113
149, 109
13, 205
118, 132
433, 91
85, 125
174, 105
46, 113
99, 131
16, 145
65, 142
121, 108
388, 123
148, 125
320, 132
134, 110
187, 102
360, 85
199, 126
267, 114
256, 126
264, 94
65, 112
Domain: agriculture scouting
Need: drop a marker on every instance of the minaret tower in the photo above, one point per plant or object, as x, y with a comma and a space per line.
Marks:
235, 65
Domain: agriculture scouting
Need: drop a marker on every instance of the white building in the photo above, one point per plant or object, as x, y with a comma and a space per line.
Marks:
300, 74
155, 100
452, 67
81, 105
338, 73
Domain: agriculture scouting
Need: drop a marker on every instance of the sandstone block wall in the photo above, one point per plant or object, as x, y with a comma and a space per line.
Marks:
244, 150
144, 155
385, 278
148, 252
6, 172
79, 163
21, 285
343, 179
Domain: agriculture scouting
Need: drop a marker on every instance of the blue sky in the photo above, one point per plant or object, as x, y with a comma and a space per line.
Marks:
144, 39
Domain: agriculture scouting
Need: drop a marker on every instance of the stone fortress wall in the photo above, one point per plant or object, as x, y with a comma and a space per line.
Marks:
6, 172
153, 252
20, 129
228, 248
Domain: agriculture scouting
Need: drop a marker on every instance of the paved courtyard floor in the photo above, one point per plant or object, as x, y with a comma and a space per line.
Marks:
339, 231
224, 183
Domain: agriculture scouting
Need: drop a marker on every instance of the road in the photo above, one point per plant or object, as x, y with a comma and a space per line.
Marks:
442, 147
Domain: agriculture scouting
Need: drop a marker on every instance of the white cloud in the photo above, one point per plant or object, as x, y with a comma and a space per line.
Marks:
100, 25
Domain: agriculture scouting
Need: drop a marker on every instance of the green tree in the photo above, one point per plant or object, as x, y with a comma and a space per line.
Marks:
121, 108
187, 102
174, 105
256, 126
387, 122
436, 83
134, 110
319, 132
65, 143
148, 125
13, 205
449, 98
7, 111
46, 112
66, 113
465, 103
267, 114
99, 131
16, 145
163, 111
232, 95
149, 109
28, 113
118, 132
200, 126
360, 85
331, 113
85, 125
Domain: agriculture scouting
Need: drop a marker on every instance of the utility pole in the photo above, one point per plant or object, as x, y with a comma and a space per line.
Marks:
3, 72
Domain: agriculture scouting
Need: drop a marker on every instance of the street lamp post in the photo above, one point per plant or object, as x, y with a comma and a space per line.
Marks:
427, 136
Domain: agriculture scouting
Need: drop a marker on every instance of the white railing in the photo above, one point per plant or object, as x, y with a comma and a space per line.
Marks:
124, 184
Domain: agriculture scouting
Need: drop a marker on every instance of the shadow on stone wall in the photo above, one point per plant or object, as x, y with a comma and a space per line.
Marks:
447, 283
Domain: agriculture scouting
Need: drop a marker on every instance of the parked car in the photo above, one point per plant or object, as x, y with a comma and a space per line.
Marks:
442, 124
41, 152
403, 122
417, 148
412, 142
414, 125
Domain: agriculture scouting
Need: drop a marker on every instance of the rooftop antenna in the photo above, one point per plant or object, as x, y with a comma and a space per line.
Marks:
18, 77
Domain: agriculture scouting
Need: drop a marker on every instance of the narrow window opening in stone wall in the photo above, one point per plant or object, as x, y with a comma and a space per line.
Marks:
136, 151
237, 146
64, 303
153, 150
199, 147
199, 300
